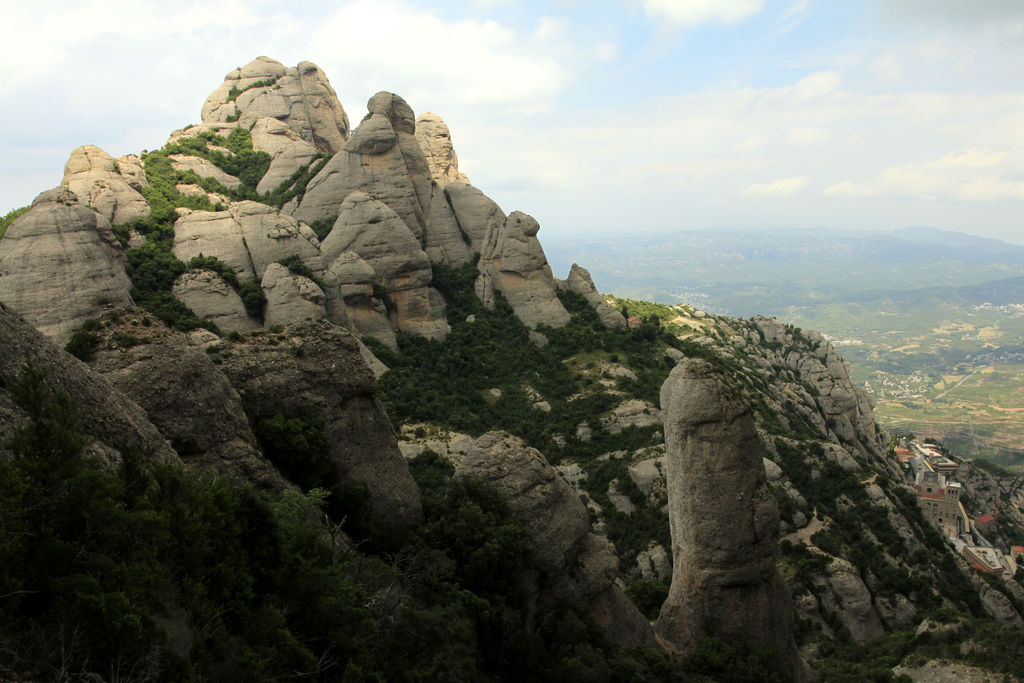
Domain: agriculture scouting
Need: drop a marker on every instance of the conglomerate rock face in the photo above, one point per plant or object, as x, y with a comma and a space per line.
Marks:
100, 184
60, 264
249, 237
512, 262
105, 414
383, 159
723, 518
573, 562
436, 141
579, 281
318, 367
300, 97
185, 396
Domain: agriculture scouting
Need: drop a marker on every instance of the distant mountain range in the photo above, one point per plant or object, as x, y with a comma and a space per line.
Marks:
748, 272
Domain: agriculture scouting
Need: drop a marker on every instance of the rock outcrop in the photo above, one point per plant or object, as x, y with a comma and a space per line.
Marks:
436, 142
288, 150
351, 300
724, 521
131, 170
373, 231
109, 417
847, 407
383, 159
249, 236
477, 215
98, 182
300, 97
212, 299
573, 562
443, 239
290, 298
61, 264
204, 169
579, 281
512, 262
184, 395
316, 366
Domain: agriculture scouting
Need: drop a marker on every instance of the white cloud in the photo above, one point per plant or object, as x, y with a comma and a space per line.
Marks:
969, 175
690, 13
808, 136
784, 187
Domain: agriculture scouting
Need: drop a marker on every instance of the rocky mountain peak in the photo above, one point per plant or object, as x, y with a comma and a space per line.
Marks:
300, 97
436, 141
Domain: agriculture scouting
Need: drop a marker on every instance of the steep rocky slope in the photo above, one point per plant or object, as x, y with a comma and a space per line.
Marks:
312, 292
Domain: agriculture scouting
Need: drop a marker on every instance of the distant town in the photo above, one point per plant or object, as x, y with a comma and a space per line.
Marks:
940, 498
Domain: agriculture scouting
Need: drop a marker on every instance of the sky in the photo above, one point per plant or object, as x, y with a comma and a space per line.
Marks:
599, 118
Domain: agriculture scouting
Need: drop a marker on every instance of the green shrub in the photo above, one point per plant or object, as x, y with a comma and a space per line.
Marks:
83, 345
10, 217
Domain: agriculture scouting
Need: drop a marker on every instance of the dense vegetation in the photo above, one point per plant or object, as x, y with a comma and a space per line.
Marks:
487, 374
153, 572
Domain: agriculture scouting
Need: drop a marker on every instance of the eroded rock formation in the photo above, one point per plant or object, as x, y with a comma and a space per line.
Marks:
574, 563
318, 367
109, 417
383, 159
436, 142
300, 97
99, 183
61, 264
579, 281
724, 521
512, 262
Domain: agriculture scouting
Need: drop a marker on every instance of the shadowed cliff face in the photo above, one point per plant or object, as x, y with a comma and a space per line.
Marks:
724, 521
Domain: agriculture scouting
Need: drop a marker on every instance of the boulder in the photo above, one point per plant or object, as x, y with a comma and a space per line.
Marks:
300, 97
351, 300
633, 412
512, 262
436, 142
131, 170
477, 215
573, 562
212, 299
317, 366
852, 601
579, 281
723, 519
204, 169
381, 159
290, 298
373, 231
61, 264
94, 177
249, 236
288, 150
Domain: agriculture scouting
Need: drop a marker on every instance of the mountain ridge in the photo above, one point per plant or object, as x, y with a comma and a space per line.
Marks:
399, 371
